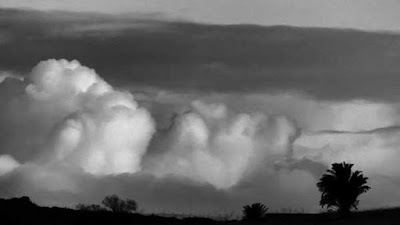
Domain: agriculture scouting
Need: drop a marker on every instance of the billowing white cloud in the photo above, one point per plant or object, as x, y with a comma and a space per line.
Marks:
7, 164
70, 124
214, 145
99, 129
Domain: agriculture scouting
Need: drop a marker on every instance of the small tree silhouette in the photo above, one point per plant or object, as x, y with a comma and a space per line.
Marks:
131, 205
341, 187
91, 207
118, 205
254, 211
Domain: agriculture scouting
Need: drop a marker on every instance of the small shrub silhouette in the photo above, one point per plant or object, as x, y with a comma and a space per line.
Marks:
115, 204
91, 208
341, 187
254, 211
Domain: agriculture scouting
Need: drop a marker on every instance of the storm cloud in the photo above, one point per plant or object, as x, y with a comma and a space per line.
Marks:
146, 51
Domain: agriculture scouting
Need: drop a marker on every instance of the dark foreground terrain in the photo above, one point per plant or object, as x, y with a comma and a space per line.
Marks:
23, 211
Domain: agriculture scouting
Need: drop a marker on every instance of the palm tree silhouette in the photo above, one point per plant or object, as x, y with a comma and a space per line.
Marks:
254, 211
341, 187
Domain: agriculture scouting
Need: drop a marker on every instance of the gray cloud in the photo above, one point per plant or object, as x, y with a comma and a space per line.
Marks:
325, 63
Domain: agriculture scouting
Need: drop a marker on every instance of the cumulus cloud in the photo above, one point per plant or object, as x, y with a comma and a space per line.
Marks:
212, 144
7, 164
103, 131
66, 126
97, 128
90, 125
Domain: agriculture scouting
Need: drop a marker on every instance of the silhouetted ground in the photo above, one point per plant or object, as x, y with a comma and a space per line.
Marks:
23, 211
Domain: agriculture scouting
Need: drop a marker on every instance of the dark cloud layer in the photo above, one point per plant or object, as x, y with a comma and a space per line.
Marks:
128, 50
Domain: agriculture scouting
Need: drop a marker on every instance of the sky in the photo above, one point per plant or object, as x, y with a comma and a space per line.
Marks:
191, 113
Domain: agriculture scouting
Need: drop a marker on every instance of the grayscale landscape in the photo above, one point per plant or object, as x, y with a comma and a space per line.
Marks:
199, 112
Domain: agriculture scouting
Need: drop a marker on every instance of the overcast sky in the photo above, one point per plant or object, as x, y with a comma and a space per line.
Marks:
361, 14
197, 117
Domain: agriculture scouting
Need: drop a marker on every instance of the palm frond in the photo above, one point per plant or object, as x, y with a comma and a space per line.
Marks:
340, 187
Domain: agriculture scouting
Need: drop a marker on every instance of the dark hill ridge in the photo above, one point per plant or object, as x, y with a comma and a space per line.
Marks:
23, 211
